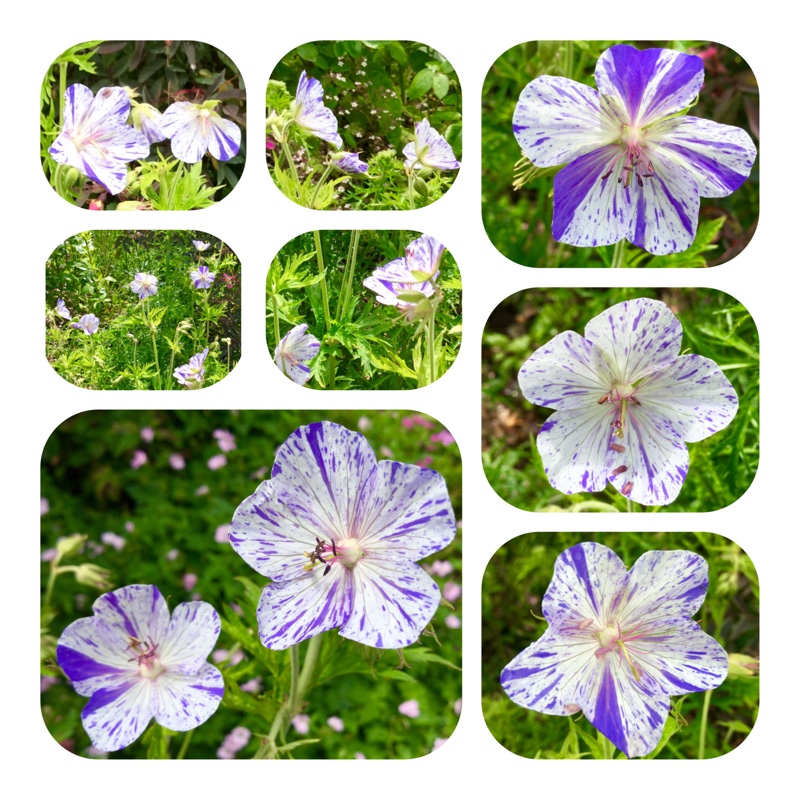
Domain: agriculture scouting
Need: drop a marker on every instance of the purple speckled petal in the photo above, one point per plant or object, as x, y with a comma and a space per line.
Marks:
182, 702
429, 149
693, 394
192, 633
394, 601
556, 120
719, 157
295, 351
138, 610
116, 717
648, 84
293, 611
639, 337
311, 113
188, 136
224, 138
404, 511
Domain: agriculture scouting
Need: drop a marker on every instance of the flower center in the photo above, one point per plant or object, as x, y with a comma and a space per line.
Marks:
621, 398
345, 551
146, 656
349, 551
612, 639
637, 164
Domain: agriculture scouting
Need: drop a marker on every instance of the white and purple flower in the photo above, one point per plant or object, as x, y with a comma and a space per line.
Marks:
636, 167
619, 644
295, 352
144, 285
96, 138
196, 129
429, 149
310, 114
147, 119
136, 663
349, 163
202, 277
200, 246
338, 533
62, 310
194, 373
626, 402
88, 323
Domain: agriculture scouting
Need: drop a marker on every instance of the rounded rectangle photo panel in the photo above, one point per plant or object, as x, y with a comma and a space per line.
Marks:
367, 125
620, 400
143, 125
620, 154
355, 309
620, 646
251, 584
143, 309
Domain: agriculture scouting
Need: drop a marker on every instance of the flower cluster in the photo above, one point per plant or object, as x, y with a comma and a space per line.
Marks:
98, 139
636, 165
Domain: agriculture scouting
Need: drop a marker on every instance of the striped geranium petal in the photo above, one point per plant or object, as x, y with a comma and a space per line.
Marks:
338, 533
294, 353
429, 149
196, 129
311, 114
134, 662
96, 139
423, 256
619, 644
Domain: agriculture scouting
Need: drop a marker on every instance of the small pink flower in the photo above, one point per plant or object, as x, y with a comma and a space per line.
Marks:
252, 686
441, 568
302, 724
452, 621
425, 462
172, 555
139, 459
336, 724
112, 540
364, 424
221, 534
437, 744
457, 707
201, 490
96, 205
147, 434
46, 681
49, 554
443, 437
451, 592
217, 462
129, 526
189, 581
409, 709
410, 422
359, 757
177, 461
225, 440
44, 506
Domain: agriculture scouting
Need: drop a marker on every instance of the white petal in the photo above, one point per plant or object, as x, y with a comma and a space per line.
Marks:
116, 717
224, 138
182, 702
192, 633
188, 137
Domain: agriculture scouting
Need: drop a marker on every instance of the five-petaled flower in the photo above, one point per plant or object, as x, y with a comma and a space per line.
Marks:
310, 114
200, 246
96, 138
295, 352
626, 402
338, 533
202, 277
144, 285
136, 663
636, 166
429, 149
192, 374
88, 323
62, 310
409, 280
195, 129
619, 643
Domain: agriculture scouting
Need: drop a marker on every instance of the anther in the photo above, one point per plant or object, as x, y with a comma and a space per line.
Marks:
619, 471
627, 488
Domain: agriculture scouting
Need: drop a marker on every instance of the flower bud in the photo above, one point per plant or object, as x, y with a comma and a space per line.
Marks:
92, 575
70, 545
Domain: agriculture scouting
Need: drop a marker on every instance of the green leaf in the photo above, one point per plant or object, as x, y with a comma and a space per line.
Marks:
421, 85
398, 52
441, 85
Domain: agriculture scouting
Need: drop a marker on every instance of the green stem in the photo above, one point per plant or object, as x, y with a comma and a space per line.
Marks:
431, 353
630, 505
319, 185
91, 356
275, 325
153, 340
618, 257
62, 90
344, 299
323, 282
701, 745
569, 58
51, 581
185, 744
411, 186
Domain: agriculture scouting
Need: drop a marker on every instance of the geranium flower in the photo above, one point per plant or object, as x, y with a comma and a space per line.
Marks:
294, 353
96, 138
349, 162
429, 149
62, 310
148, 120
192, 374
195, 129
202, 277
636, 166
136, 663
338, 533
626, 401
200, 246
620, 643
144, 285
309, 111
88, 323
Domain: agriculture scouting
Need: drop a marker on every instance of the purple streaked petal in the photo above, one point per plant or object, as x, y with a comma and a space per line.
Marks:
557, 120
638, 337
405, 511
116, 717
719, 157
224, 138
649, 84
294, 352
393, 601
293, 611
181, 702
138, 610
192, 633
312, 115
429, 149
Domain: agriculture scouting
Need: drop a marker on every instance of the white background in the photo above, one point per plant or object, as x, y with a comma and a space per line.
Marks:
256, 221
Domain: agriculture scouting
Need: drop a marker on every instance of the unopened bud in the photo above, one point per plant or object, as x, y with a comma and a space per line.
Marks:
70, 545
92, 575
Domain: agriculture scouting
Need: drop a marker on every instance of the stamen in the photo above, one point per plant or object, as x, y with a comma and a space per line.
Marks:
627, 488
617, 448
619, 471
